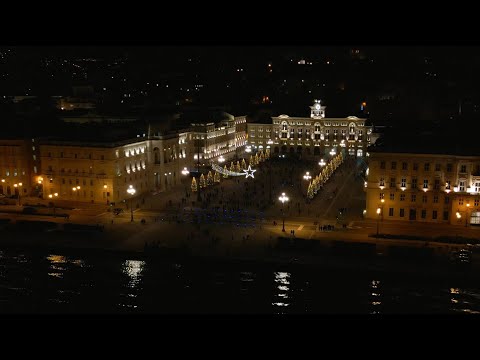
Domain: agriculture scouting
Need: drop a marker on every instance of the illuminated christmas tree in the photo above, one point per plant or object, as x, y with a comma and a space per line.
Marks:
232, 167
251, 161
310, 193
262, 157
267, 154
238, 168
256, 159
202, 182
225, 175
216, 177
194, 185
244, 164
209, 178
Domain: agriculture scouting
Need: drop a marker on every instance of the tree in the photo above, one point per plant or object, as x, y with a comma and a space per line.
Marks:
209, 178
232, 167
216, 177
202, 182
310, 193
225, 175
244, 164
194, 185
238, 168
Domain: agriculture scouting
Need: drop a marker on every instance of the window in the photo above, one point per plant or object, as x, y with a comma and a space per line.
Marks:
435, 199
91, 182
382, 196
462, 185
447, 199
477, 187
438, 167
382, 164
404, 182
449, 167
426, 167
424, 214
402, 212
404, 166
390, 212
394, 165
415, 166
414, 183
463, 168
63, 181
413, 198
447, 185
382, 182
437, 184
75, 156
476, 203
402, 197
445, 215
392, 182
392, 196
434, 214
460, 201
425, 183
424, 199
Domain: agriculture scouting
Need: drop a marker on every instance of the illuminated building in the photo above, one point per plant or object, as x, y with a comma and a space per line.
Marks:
103, 171
437, 188
19, 163
314, 135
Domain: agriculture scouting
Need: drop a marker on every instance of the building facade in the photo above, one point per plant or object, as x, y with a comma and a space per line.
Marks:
95, 172
314, 135
434, 188
20, 171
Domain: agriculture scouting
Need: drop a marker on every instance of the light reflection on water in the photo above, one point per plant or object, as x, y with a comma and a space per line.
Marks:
134, 270
282, 279
54, 282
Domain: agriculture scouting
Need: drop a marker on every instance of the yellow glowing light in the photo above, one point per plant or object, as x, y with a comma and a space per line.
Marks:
378, 211
104, 186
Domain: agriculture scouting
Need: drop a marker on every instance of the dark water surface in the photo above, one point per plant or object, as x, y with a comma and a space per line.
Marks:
98, 282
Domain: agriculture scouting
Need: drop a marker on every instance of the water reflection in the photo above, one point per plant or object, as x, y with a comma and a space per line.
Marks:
133, 269
375, 293
57, 265
282, 279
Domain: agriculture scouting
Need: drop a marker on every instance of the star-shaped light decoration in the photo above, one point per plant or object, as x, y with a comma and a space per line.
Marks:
249, 172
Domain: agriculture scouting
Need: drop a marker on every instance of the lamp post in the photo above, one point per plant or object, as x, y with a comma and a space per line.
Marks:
307, 176
185, 172
322, 163
378, 219
283, 199
51, 196
383, 202
466, 215
18, 188
131, 191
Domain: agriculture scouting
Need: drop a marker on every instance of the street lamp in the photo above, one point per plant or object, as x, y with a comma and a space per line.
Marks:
17, 187
322, 163
378, 218
131, 191
221, 159
185, 172
307, 176
466, 215
283, 198
51, 196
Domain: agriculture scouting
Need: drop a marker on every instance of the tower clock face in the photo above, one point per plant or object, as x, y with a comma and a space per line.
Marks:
317, 106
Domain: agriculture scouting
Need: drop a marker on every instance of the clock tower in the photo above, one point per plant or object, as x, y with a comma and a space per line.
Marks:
317, 111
